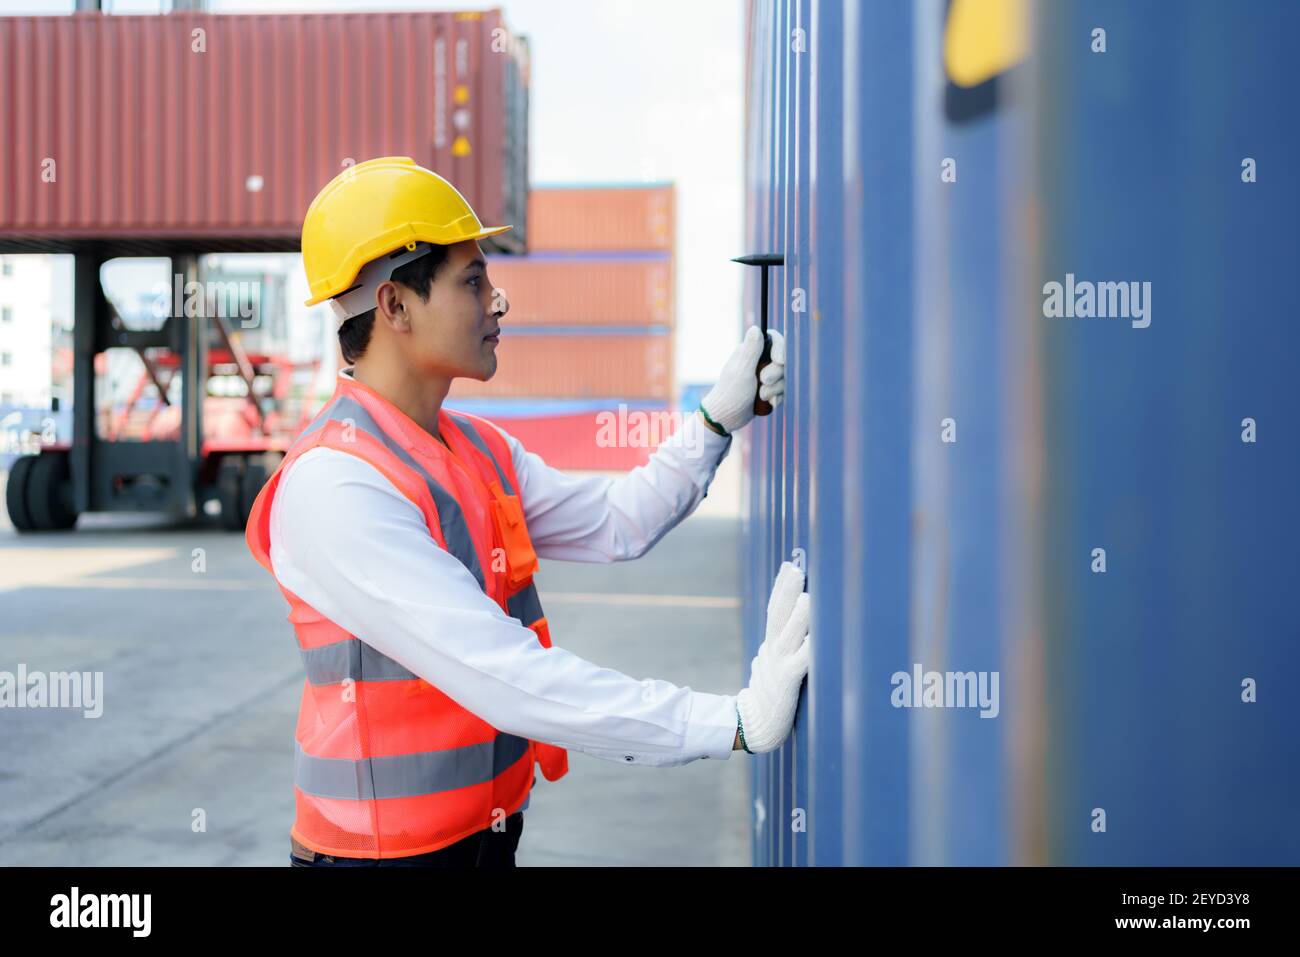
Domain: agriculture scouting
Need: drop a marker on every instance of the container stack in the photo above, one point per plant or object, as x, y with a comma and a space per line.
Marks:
585, 364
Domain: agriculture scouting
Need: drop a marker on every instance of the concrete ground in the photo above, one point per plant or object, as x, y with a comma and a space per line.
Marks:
191, 761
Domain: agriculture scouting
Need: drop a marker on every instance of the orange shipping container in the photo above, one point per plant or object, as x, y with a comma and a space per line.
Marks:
585, 291
601, 218
623, 366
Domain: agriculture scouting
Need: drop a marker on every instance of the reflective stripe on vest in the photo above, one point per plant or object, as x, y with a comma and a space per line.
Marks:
525, 604
406, 775
472, 433
351, 659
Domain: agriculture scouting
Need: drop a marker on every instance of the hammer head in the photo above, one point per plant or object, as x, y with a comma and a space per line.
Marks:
762, 260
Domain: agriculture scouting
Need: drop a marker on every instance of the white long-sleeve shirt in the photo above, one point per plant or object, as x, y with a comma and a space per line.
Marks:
347, 542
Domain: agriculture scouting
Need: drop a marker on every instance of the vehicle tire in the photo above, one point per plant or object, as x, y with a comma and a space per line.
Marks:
16, 493
230, 475
49, 493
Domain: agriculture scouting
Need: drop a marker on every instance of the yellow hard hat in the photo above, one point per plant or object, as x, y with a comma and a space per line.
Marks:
373, 208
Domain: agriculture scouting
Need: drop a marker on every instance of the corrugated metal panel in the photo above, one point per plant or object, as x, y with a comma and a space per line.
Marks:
591, 218
633, 365
217, 130
1121, 690
580, 291
1141, 436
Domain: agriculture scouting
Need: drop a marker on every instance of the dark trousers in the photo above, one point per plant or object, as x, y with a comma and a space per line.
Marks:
486, 848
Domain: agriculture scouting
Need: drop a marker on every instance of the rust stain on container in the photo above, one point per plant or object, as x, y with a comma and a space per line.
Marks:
153, 133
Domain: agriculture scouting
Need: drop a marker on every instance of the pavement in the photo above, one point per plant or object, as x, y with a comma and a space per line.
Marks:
190, 762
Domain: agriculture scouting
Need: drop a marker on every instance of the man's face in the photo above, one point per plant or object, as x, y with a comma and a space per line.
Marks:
453, 334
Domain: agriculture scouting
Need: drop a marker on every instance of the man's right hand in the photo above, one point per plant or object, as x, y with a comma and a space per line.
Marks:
776, 674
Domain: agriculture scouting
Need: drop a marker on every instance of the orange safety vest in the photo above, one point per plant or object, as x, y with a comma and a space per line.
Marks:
386, 765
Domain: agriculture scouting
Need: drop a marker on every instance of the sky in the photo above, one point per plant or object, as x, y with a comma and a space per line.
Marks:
622, 92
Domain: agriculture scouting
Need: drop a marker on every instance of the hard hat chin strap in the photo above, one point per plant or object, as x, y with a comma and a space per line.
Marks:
361, 297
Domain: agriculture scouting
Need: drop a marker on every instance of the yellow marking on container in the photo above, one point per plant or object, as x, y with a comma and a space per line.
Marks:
983, 38
460, 147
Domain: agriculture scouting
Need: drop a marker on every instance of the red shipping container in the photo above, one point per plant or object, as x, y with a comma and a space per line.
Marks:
609, 434
214, 132
602, 218
573, 440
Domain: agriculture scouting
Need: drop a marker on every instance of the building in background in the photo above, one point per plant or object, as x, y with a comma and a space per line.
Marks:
585, 374
35, 331
35, 352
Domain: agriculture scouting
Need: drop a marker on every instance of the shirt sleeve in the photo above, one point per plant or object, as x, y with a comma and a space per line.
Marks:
603, 519
349, 544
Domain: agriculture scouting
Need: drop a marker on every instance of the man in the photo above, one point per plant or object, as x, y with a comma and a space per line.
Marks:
405, 539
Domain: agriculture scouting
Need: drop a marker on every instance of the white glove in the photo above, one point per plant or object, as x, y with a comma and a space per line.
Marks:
777, 671
730, 403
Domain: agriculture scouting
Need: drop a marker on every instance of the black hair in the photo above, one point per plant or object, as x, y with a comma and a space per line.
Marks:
417, 275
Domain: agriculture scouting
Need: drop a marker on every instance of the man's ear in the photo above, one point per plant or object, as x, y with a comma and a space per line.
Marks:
389, 305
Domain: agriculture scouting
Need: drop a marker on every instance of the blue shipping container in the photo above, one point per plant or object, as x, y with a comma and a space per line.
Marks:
1036, 443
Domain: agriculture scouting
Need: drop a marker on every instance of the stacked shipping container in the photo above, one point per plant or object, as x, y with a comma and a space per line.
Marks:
206, 132
589, 335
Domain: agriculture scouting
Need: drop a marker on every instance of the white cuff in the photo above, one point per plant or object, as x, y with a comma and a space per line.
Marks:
711, 728
697, 447
702, 436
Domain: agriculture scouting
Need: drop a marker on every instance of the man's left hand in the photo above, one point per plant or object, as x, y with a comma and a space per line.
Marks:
731, 402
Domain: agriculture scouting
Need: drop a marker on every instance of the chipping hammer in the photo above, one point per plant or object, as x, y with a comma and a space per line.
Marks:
763, 261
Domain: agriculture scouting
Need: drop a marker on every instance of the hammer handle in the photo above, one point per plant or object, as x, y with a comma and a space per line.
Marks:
762, 406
